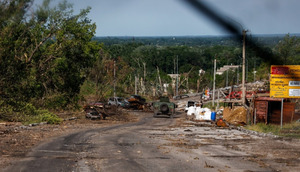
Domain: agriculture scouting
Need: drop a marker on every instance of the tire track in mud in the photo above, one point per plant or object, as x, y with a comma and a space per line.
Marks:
64, 153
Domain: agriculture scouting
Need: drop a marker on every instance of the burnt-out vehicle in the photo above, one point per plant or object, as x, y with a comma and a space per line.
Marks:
118, 101
136, 102
95, 111
164, 107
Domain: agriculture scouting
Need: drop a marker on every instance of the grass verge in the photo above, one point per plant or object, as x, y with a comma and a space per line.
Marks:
291, 130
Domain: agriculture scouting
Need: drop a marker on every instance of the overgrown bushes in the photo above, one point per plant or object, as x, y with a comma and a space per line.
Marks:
46, 53
26, 113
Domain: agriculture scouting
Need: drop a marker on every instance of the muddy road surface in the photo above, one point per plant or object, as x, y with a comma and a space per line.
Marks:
161, 144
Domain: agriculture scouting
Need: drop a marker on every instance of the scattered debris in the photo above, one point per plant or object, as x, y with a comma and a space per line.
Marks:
180, 97
70, 119
199, 113
95, 111
188, 130
189, 104
221, 123
33, 124
208, 166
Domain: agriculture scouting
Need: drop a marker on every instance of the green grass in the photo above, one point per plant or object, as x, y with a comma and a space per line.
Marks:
291, 130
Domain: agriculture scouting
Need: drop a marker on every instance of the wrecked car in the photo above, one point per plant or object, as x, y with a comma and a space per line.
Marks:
136, 102
118, 101
95, 111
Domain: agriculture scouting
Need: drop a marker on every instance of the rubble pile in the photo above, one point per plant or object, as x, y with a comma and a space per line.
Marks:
235, 116
258, 85
181, 106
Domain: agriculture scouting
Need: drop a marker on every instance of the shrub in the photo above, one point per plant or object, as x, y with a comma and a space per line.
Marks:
26, 113
50, 118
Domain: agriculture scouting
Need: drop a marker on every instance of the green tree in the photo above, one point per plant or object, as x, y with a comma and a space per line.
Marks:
288, 50
44, 55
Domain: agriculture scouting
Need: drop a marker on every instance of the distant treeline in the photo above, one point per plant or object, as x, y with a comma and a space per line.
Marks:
265, 39
151, 59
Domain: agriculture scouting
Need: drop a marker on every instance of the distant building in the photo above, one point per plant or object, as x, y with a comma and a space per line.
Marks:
227, 67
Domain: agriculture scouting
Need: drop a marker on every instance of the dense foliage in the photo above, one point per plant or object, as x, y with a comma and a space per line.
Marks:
45, 54
146, 55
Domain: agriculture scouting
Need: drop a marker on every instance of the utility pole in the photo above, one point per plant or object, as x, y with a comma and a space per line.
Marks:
254, 71
247, 64
135, 85
227, 78
243, 78
114, 78
214, 85
237, 76
227, 75
177, 78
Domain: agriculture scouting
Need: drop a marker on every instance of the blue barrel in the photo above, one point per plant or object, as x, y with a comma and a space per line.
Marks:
213, 116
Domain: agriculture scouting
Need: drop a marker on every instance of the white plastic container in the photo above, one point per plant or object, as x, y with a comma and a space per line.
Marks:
202, 114
191, 110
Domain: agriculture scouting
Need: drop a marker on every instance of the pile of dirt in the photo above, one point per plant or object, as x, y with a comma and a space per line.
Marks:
235, 116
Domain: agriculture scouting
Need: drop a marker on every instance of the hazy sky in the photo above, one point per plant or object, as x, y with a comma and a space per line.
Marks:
175, 18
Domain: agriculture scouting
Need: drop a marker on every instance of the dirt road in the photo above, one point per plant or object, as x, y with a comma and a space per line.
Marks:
161, 144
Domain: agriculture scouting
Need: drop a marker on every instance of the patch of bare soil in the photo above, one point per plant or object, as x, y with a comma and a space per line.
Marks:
278, 154
16, 140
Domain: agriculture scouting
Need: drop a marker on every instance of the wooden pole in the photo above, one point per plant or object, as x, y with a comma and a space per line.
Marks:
281, 116
135, 85
218, 99
255, 116
114, 78
177, 78
244, 58
214, 85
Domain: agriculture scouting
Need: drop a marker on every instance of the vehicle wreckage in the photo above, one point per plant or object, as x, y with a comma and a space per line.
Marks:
95, 111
